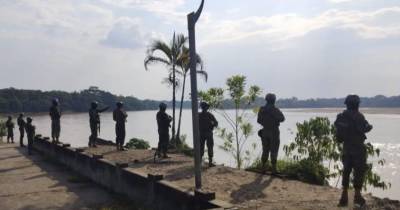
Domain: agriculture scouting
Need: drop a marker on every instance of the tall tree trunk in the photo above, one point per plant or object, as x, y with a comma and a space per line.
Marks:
173, 102
178, 133
238, 155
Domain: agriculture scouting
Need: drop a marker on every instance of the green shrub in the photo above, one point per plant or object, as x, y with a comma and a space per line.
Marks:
3, 130
136, 143
184, 148
304, 170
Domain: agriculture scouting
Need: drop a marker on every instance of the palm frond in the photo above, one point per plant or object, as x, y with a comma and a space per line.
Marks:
161, 46
152, 59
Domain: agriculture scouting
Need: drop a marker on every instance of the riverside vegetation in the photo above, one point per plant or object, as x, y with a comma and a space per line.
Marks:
315, 156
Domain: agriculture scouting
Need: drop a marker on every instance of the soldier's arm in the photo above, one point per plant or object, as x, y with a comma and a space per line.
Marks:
363, 125
215, 122
104, 109
114, 116
259, 116
279, 115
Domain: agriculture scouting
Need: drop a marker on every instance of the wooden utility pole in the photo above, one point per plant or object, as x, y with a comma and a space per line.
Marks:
192, 19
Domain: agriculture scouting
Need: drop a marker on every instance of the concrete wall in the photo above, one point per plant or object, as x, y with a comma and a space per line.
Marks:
149, 190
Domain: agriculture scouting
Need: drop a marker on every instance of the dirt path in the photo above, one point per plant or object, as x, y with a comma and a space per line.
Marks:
31, 182
245, 190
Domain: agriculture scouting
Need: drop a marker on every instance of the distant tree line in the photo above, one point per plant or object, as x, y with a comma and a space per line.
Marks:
378, 101
16, 100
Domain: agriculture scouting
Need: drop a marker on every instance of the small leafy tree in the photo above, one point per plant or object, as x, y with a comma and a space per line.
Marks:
315, 144
239, 130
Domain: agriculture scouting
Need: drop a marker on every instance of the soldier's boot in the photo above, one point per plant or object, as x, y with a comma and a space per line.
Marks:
344, 199
358, 198
273, 163
210, 162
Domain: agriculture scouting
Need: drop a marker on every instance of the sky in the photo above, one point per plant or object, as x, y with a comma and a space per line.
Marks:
301, 48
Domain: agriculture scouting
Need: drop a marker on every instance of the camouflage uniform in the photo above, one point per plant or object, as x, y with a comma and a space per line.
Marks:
163, 123
55, 115
10, 130
119, 116
30, 133
94, 120
21, 124
270, 118
354, 155
207, 123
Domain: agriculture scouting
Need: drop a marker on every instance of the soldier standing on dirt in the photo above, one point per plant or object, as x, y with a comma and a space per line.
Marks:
351, 127
163, 123
10, 130
207, 123
21, 124
270, 118
94, 120
55, 115
119, 116
30, 133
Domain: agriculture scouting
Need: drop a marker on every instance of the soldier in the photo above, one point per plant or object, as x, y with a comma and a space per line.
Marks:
207, 123
270, 118
94, 120
21, 124
119, 116
30, 133
164, 123
351, 127
10, 130
55, 116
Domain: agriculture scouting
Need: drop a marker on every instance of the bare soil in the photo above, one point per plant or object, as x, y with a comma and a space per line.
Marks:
243, 189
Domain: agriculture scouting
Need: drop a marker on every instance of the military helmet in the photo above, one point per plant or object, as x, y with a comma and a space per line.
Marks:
120, 104
162, 105
29, 119
270, 98
94, 104
204, 105
21, 114
352, 101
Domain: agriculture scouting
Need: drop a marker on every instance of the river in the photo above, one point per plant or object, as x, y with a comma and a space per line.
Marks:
142, 124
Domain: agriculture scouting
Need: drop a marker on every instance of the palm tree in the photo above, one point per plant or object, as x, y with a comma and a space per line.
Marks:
183, 62
170, 54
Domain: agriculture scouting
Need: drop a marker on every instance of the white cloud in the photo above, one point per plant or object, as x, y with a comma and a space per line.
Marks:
282, 27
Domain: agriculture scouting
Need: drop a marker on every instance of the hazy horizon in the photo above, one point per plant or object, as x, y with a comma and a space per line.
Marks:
302, 48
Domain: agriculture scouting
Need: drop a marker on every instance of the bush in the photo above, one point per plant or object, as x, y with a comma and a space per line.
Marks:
304, 170
184, 148
136, 143
2, 130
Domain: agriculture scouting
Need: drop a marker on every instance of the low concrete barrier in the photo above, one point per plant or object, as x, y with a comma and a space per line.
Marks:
146, 189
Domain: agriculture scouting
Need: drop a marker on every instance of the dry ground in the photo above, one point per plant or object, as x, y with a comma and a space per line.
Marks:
244, 190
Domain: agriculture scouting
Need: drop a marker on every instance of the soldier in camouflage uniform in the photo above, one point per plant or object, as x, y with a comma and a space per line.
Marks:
163, 123
21, 124
351, 127
10, 130
94, 120
119, 116
207, 123
55, 115
30, 133
270, 118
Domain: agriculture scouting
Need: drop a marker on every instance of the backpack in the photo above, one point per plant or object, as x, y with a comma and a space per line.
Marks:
343, 127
